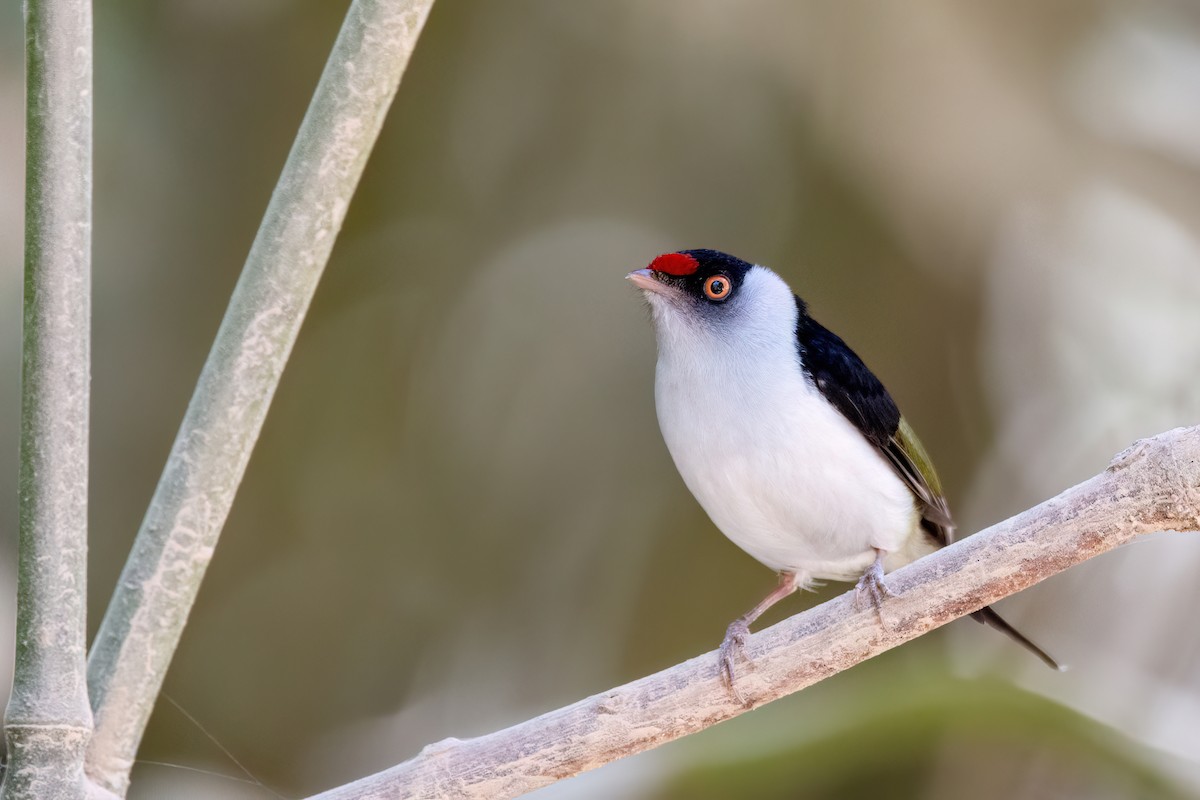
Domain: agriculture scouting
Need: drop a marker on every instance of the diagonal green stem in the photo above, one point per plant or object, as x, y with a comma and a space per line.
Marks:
48, 718
175, 543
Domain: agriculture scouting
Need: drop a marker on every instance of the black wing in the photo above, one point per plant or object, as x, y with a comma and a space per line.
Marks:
847, 383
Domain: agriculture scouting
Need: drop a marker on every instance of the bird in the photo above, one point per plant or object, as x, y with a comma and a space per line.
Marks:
791, 445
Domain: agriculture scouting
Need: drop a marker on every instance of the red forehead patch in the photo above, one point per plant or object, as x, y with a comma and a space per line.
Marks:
675, 264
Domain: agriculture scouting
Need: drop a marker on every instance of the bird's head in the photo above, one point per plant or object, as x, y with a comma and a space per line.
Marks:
693, 284
696, 296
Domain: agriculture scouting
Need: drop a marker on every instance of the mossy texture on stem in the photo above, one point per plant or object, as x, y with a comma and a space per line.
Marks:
48, 720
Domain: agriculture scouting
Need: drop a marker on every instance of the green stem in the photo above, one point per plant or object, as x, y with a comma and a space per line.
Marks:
160, 581
48, 720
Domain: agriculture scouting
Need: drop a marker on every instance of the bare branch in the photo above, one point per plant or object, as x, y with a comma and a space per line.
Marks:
48, 718
1152, 486
175, 543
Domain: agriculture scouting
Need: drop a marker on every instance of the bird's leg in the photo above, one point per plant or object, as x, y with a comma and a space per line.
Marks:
871, 584
739, 629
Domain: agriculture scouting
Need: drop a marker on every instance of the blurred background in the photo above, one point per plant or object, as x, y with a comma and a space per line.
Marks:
461, 513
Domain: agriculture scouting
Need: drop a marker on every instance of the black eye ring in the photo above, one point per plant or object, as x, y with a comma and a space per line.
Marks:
717, 287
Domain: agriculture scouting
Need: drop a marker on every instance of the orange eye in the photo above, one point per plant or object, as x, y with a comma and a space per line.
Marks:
716, 287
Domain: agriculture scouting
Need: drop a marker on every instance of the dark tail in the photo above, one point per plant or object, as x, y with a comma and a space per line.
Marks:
989, 617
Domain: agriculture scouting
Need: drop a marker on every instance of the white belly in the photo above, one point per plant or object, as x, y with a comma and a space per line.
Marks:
782, 473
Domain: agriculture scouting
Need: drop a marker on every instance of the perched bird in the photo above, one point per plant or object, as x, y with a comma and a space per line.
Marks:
793, 447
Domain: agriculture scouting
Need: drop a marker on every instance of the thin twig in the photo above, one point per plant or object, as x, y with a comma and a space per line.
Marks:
175, 543
1153, 486
48, 718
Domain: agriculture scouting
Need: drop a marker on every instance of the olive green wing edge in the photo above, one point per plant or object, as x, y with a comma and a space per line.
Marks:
911, 462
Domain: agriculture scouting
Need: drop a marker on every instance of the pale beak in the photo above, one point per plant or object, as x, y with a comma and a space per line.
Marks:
644, 279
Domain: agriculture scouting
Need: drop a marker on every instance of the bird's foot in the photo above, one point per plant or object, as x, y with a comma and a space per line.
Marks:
731, 648
871, 586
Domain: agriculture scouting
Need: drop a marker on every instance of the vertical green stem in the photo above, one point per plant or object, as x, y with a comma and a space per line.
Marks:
48, 720
175, 543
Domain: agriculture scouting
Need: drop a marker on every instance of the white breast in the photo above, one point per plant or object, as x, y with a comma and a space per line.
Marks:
779, 470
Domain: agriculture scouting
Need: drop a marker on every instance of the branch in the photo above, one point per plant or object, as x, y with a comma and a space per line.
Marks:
1152, 486
175, 543
48, 718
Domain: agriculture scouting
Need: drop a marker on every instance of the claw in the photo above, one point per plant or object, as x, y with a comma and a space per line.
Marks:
739, 629
731, 648
871, 585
